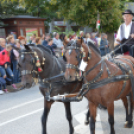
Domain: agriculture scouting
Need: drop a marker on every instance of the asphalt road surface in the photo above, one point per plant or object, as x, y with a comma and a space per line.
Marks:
20, 113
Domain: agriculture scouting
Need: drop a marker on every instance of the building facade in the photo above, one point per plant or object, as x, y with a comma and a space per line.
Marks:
23, 25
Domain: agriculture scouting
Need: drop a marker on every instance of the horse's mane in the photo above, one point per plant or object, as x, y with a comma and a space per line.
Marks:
44, 48
32, 45
94, 47
40, 47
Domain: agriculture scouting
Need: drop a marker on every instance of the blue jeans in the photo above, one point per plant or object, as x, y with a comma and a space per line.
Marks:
8, 70
15, 71
2, 85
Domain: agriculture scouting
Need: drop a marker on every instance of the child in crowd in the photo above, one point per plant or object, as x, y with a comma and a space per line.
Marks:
5, 63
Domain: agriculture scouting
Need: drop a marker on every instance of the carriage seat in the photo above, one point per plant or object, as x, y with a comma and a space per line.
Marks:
126, 53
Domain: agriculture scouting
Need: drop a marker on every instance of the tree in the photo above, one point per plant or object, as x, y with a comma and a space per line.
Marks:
84, 12
8, 8
40, 8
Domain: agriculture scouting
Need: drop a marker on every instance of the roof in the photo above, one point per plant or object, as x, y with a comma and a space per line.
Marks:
24, 17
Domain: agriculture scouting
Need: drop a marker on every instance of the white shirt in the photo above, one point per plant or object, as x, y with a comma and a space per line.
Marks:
127, 31
98, 41
89, 40
58, 42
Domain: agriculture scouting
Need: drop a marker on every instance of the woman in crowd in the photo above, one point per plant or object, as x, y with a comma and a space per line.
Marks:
14, 60
22, 41
38, 41
88, 38
11, 40
104, 47
49, 45
94, 39
2, 44
98, 38
5, 64
17, 44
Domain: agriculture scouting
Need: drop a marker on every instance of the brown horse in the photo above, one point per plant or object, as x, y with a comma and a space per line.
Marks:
51, 66
104, 81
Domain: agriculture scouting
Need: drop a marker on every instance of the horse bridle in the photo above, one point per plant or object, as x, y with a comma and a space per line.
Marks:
79, 57
34, 59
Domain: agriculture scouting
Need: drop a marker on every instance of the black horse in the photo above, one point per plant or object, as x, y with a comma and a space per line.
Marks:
31, 61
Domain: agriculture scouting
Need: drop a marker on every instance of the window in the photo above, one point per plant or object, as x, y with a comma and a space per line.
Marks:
2, 33
15, 22
21, 32
41, 32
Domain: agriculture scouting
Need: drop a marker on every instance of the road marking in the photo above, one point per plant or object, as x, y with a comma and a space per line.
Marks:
20, 117
21, 105
82, 128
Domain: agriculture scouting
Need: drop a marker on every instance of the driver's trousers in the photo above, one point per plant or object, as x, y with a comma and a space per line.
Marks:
125, 48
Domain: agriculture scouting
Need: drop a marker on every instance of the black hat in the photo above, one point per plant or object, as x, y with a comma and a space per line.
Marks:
128, 11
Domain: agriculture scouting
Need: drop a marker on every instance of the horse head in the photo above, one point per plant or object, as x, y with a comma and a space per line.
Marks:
75, 53
30, 65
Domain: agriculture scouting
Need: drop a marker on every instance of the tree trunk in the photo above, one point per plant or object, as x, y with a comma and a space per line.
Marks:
68, 27
51, 25
111, 40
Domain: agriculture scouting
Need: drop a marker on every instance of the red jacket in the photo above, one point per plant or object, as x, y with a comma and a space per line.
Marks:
4, 57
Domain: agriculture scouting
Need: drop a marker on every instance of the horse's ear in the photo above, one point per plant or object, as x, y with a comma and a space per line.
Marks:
80, 40
27, 47
65, 42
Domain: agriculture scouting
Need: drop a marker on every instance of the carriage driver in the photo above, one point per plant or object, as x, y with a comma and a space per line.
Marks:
126, 32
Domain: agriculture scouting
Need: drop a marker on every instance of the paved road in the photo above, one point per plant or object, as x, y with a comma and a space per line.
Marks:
20, 113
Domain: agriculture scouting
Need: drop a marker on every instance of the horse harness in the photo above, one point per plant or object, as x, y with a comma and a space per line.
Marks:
34, 61
45, 83
95, 83
79, 57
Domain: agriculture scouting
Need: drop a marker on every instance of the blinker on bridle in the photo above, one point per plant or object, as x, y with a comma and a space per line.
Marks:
34, 61
79, 57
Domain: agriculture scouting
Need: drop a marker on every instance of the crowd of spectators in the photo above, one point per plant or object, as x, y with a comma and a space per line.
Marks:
9, 71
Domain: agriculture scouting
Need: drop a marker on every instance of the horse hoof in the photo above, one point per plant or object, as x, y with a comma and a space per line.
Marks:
72, 131
86, 122
128, 124
112, 132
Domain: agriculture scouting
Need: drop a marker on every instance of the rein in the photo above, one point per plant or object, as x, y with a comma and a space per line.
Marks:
79, 58
45, 83
120, 46
111, 78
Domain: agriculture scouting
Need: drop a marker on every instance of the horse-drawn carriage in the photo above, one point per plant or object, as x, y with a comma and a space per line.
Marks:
100, 80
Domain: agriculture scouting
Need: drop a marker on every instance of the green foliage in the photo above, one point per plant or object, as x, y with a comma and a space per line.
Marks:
57, 30
8, 8
40, 8
84, 12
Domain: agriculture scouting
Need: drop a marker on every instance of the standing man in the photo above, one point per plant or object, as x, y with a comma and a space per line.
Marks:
45, 42
58, 42
125, 32
81, 35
